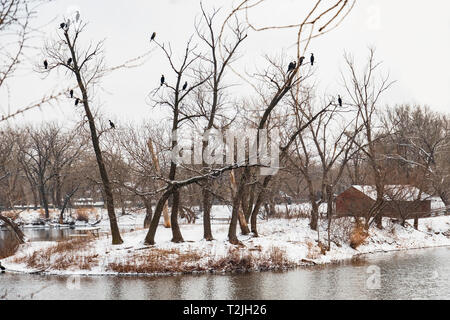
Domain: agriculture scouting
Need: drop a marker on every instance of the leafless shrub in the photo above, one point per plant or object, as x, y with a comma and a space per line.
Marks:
358, 236
82, 215
342, 229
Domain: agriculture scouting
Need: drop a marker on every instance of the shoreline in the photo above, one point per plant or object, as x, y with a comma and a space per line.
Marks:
220, 273
284, 245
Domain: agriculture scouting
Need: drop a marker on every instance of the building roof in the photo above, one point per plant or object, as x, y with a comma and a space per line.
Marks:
394, 192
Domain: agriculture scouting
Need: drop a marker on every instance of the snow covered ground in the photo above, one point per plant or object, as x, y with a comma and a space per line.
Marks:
282, 244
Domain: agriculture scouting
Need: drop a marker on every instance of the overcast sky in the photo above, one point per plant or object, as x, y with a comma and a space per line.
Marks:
412, 38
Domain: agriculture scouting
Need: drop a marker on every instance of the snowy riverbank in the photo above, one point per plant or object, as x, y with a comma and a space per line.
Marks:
282, 244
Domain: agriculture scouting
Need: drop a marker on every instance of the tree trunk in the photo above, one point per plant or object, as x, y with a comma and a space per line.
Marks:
255, 212
232, 238
115, 232
44, 200
14, 228
207, 205
66, 202
176, 232
258, 204
329, 192
314, 223
150, 238
158, 171
379, 221
416, 222
237, 198
122, 204
148, 212
235, 189
58, 192
251, 199
35, 198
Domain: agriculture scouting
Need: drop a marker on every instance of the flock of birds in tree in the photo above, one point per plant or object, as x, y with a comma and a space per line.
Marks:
163, 78
65, 27
292, 67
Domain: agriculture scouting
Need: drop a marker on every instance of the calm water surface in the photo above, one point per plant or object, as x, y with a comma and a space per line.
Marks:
417, 274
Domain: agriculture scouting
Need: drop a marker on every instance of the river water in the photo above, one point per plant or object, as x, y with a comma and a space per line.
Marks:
415, 274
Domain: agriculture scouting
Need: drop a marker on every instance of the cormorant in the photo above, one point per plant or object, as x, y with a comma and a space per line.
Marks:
77, 16
163, 79
340, 101
185, 86
77, 101
45, 64
301, 60
71, 93
2, 268
113, 126
292, 66
69, 62
62, 25
312, 59
153, 36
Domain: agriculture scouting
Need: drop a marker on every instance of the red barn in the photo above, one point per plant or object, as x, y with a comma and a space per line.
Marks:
400, 201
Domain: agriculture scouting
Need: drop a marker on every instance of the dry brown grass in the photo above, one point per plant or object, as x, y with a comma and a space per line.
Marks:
358, 236
9, 248
314, 251
12, 214
82, 214
41, 213
291, 213
62, 256
158, 261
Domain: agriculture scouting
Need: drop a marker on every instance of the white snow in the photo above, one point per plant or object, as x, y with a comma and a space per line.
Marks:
293, 237
394, 192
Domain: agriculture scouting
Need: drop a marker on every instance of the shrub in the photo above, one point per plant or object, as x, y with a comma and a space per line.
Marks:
82, 215
358, 236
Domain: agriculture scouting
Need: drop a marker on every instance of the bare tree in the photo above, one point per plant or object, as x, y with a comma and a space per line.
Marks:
282, 82
87, 67
364, 91
176, 97
36, 156
16, 31
421, 143
212, 95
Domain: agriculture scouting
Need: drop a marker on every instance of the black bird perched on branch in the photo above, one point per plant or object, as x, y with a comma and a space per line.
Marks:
292, 66
340, 101
301, 60
2, 268
113, 126
312, 59
69, 62
71, 93
45, 64
77, 16
77, 101
163, 80
185, 86
62, 25
153, 36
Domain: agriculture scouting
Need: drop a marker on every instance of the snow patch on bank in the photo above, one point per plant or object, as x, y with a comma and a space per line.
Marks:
293, 238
